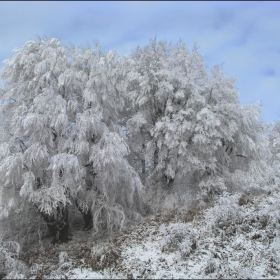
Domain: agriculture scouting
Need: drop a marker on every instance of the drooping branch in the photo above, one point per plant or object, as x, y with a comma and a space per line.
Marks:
241, 156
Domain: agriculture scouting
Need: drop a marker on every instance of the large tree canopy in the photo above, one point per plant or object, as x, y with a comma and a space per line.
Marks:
187, 121
65, 146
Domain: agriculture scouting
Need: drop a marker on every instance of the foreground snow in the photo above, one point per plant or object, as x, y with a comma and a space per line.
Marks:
236, 238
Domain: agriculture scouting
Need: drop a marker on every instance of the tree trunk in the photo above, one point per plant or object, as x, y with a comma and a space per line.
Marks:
50, 221
87, 216
143, 163
169, 181
156, 157
58, 226
88, 219
62, 227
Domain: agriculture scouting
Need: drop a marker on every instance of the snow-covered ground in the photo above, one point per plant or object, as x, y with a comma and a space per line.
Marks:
236, 238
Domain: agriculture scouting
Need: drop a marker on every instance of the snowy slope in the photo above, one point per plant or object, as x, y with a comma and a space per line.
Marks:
236, 238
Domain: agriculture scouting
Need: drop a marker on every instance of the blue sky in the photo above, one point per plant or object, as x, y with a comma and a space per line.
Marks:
245, 36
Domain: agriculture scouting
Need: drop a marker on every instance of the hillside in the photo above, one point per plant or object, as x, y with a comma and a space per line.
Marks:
237, 238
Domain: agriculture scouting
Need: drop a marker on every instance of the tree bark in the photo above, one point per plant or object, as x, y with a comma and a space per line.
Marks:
88, 218
156, 157
170, 181
143, 165
58, 226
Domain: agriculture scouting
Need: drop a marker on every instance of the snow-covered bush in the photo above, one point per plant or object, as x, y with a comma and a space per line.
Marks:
179, 236
10, 265
63, 257
188, 245
211, 265
225, 214
103, 255
273, 266
269, 216
64, 261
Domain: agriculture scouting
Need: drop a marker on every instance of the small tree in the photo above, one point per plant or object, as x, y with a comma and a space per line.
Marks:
64, 145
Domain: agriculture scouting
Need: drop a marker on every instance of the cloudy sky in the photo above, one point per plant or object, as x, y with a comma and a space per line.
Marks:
245, 36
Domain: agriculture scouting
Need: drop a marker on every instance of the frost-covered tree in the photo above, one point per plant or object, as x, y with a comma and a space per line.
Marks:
66, 113
189, 122
62, 143
274, 144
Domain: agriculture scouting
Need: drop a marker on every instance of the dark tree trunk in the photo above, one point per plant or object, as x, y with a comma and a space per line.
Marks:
62, 227
169, 181
58, 226
88, 219
156, 157
87, 216
143, 163
50, 221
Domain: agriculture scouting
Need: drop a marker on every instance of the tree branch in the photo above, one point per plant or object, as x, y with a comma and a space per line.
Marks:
240, 156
